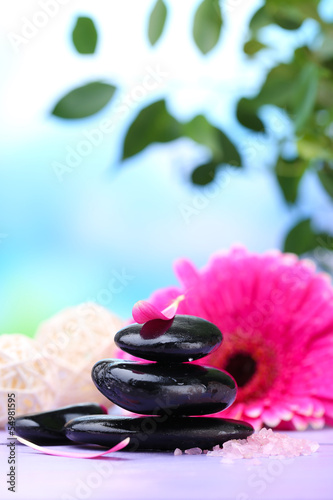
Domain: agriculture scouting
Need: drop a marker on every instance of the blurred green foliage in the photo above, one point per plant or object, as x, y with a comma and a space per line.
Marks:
85, 35
84, 101
155, 124
157, 20
207, 25
302, 88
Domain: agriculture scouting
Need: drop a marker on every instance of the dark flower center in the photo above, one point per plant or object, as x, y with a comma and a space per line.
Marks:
242, 367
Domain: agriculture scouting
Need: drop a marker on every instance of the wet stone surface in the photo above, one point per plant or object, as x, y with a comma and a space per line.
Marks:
156, 433
183, 338
47, 428
153, 388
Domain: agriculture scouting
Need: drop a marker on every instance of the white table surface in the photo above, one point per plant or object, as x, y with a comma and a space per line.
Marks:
163, 476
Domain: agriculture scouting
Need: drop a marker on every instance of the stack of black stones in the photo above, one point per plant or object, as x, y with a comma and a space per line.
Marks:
169, 390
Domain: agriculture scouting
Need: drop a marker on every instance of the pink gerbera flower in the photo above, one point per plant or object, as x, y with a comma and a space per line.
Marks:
276, 316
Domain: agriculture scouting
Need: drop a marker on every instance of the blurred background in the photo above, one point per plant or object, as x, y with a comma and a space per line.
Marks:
135, 133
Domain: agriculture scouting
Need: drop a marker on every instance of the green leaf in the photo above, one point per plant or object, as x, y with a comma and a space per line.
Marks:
288, 174
282, 89
230, 152
204, 174
305, 96
260, 19
85, 35
207, 25
328, 63
325, 240
253, 46
223, 150
301, 238
84, 101
157, 21
201, 131
286, 21
312, 147
278, 88
325, 50
326, 178
153, 124
325, 93
288, 14
247, 116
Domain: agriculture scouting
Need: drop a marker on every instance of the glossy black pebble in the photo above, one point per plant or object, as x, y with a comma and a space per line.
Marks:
182, 339
156, 433
47, 427
154, 389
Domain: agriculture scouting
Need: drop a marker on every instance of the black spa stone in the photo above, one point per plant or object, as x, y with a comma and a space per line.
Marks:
180, 339
156, 433
155, 389
47, 428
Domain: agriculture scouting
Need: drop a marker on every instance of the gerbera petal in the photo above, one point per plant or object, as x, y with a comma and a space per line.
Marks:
299, 422
317, 423
235, 411
282, 411
257, 423
253, 411
186, 272
143, 311
284, 414
318, 409
270, 417
302, 406
69, 454
163, 298
329, 420
328, 406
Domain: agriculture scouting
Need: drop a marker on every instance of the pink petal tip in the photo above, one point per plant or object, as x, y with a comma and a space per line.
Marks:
66, 454
143, 311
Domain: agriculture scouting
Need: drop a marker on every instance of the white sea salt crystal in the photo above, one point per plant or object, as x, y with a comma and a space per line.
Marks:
177, 452
193, 451
264, 443
313, 447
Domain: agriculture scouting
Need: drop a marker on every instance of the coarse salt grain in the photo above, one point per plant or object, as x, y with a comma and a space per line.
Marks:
193, 451
264, 443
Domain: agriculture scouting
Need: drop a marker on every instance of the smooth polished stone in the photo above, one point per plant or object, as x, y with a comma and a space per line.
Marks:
182, 338
156, 433
47, 428
154, 388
